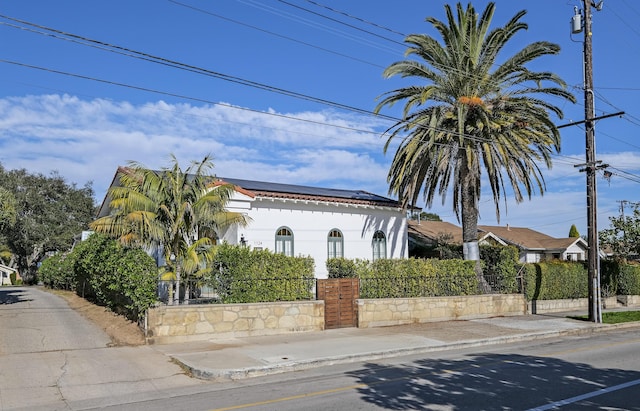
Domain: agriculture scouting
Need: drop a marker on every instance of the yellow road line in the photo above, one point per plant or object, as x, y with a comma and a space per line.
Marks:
293, 397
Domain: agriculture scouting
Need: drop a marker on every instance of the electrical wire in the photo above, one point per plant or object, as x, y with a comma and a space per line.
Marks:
182, 96
61, 35
156, 59
275, 34
379, 26
341, 22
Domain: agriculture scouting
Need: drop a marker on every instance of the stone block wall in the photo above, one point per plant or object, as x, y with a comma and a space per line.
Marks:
555, 306
629, 300
398, 311
171, 324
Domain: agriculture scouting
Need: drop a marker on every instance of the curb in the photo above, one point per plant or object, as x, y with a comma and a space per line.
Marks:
260, 371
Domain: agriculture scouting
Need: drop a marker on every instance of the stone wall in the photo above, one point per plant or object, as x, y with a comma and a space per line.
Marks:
575, 304
171, 324
398, 311
629, 300
555, 306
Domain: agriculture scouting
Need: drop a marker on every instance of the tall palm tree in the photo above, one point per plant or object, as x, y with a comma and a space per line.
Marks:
174, 210
470, 113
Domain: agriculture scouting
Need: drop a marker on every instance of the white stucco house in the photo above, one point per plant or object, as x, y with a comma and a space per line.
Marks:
317, 222
312, 221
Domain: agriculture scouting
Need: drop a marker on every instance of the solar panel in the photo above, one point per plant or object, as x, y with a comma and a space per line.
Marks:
305, 190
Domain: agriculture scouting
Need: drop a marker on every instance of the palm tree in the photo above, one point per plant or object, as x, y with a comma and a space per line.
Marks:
470, 113
173, 210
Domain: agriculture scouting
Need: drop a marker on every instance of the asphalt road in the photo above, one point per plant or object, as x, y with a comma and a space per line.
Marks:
572, 373
52, 358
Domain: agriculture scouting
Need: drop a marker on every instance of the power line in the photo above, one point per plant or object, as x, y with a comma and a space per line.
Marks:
159, 60
300, 20
274, 33
340, 22
180, 96
187, 67
357, 18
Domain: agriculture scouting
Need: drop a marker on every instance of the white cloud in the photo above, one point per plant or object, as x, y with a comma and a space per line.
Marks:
87, 140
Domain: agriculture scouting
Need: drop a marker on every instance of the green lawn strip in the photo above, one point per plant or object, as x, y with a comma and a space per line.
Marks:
613, 317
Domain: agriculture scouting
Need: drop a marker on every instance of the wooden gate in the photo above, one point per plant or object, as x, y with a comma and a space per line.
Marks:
339, 295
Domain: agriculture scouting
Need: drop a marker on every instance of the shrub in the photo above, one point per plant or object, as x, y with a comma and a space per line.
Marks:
99, 269
556, 280
341, 268
629, 279
609, 274
402, 278
501, 267
58, 271
243, 275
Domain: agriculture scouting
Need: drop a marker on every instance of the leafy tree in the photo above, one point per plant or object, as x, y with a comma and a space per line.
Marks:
5, 254
470, 113
424, 216
49, 212
623, 238
573, 232
176, 211
7, 208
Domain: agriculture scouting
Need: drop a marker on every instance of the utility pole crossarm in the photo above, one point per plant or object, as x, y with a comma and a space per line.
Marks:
575, 123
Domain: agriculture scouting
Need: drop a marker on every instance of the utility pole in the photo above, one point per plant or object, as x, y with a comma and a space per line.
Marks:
595, 314
591, 165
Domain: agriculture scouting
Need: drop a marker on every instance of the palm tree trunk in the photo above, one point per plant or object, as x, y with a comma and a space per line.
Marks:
470, 247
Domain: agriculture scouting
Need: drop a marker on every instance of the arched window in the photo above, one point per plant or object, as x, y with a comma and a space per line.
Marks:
335, 244
284, 241
379, 245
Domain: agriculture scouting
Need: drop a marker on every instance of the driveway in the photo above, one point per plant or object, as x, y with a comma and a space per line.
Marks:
52, 358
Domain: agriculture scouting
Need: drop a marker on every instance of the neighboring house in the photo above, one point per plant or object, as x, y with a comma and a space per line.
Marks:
311, 221
425, 235
5, 274
533, 246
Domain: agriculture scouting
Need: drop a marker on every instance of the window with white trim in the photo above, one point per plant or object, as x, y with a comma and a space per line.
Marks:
335, 244
379, 245
284, 241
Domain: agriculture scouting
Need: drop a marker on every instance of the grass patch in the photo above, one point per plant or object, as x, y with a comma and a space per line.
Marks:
614, 317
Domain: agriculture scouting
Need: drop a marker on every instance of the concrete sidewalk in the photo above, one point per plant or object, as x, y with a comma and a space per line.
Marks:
239, 358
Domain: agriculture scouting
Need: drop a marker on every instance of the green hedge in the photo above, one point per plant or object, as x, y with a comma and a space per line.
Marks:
244, 275
629, 279
341, 268
404, 278
500, 268
100, 269
556, 280
58, 272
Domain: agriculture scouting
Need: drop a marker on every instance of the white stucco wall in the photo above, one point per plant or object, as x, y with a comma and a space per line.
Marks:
311, 221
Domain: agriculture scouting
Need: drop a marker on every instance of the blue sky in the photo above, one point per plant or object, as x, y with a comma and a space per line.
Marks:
285, 96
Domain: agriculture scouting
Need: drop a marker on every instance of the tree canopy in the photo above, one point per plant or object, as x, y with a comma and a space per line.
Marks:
43, 214
623, 237
573, 232
472, 113
176, 211
424, 216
